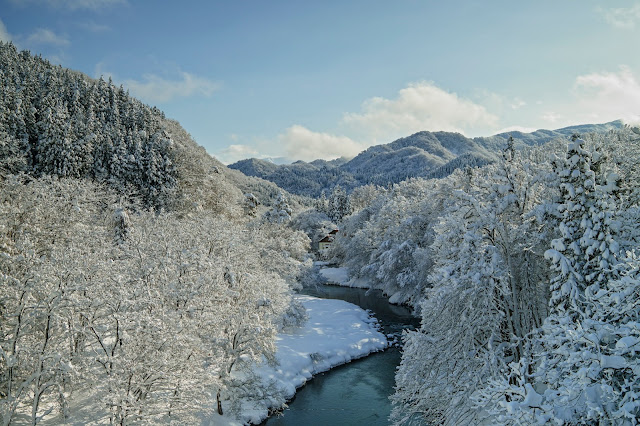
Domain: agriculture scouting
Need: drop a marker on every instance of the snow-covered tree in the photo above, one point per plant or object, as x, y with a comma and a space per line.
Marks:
251, 204
121, 225
321, 203
362, 196
488, 293
280, 212
60, 122
338, 204
146, 332
45, 248
586, 369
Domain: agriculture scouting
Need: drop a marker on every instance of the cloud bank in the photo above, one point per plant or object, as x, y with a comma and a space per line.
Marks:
624, 18
301, 143
74, 4
419, 106
609, 96
46, 36
594, 98
237, 152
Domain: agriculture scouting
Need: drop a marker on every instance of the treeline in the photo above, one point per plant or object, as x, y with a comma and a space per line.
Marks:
54, 121
526, 277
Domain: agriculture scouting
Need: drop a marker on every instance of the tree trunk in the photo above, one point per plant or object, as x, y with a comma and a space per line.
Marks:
219, 403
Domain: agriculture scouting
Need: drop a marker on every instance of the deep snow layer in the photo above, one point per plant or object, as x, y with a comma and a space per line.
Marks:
336, 333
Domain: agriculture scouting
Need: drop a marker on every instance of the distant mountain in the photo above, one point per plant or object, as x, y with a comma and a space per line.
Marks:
423, 154
496, 142
413, 156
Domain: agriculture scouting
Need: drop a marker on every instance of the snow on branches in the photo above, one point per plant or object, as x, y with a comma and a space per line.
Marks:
144, 331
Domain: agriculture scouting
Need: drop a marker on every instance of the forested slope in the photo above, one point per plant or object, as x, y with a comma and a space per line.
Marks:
135, 287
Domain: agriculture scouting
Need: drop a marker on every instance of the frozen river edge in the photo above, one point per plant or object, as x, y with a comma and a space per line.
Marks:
336, 333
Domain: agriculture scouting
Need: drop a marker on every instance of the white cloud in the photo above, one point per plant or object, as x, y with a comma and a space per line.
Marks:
625, 18
4, 34
156, 89
517, 103
609, 96
419, 106
301, 143
237, 152
46, 36
593, 98
75, 4
516, 129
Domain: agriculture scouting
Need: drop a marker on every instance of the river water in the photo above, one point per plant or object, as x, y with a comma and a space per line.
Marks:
356, 393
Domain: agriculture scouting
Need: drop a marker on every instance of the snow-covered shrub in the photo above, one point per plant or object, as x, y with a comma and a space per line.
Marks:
295, 316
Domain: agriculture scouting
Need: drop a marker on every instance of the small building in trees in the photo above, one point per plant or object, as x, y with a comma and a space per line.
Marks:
325, 244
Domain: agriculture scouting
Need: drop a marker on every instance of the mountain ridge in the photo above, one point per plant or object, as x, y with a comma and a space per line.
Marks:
422, 154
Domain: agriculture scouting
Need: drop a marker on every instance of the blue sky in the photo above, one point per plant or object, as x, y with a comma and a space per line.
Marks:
308, 80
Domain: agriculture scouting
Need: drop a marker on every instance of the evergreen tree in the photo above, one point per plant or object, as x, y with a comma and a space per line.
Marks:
338, 204
62, 123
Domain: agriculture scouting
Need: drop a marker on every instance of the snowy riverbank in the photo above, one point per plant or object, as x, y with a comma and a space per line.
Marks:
340, 276
336, 333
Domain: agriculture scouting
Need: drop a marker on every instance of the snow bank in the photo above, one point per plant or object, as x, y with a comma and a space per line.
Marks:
340, 276
336, 333
335, 275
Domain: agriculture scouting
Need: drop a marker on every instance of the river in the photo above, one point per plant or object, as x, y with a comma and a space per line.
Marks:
356, 393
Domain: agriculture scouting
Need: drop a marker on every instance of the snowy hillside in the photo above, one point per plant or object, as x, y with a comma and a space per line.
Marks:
56, 121
542, 136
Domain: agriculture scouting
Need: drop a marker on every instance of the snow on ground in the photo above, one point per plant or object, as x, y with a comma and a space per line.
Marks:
335, 275
340, 276
336, 333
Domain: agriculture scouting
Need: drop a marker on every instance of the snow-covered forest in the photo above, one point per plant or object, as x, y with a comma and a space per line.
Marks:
142, 281
525, 274
134, 288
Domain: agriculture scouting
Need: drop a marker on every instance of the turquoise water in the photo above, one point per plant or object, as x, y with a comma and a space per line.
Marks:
356, 393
